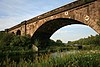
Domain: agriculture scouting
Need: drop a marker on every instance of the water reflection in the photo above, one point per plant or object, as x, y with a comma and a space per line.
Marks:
61, 54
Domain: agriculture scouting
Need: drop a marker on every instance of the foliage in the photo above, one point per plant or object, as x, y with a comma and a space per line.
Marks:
5, 39
91, 40
36, 43
15, 52
78, 59
58, 41
13, 42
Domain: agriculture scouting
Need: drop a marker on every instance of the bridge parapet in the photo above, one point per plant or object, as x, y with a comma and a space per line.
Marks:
53, 12
62, 9
81, 12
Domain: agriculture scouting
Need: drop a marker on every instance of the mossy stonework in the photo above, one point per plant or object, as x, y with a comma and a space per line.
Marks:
43, 26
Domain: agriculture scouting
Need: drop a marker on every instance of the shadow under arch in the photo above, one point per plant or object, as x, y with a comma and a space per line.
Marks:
18, 32
45, 31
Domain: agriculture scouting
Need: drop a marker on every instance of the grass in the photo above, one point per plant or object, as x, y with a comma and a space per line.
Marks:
90, 58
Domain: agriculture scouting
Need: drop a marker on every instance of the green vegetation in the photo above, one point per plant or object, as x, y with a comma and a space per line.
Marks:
11, 42
91, 40
16, 51
78, 59
15, 47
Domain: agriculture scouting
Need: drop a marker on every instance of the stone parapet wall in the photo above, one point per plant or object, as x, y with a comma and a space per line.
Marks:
53, 12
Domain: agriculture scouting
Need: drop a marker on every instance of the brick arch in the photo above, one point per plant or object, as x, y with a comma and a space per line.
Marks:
13, 33
46, 30
18, 32
44, 25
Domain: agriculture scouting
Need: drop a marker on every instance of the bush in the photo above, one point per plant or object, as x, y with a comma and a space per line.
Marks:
13, 42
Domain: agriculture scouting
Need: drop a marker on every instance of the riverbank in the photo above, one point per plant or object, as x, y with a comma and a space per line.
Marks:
17, 51
80, 58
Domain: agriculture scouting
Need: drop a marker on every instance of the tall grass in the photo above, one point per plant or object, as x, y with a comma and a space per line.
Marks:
80, 59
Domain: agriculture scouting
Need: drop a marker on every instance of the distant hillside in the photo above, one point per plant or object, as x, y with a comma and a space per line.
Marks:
91, 40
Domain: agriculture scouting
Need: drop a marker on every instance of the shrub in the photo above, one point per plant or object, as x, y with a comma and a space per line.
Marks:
13, 42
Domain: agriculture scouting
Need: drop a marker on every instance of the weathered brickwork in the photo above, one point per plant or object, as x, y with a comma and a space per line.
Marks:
87, 13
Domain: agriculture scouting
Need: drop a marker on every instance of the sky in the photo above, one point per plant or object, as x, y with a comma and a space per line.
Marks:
13, 12
73, 32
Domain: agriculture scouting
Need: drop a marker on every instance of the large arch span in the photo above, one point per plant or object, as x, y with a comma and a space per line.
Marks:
43, 26
46, 30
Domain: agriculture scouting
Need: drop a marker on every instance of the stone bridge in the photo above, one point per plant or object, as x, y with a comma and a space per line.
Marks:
43, 26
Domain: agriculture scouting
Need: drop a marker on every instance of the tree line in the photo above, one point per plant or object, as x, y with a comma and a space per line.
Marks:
9, 41
91, 40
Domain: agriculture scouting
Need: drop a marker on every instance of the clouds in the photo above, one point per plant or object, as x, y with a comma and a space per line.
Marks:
24, 7
16, 7
73, 32
7, 22
12, 12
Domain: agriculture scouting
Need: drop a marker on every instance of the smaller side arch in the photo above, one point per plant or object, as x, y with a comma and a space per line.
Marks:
18, 32
13, 33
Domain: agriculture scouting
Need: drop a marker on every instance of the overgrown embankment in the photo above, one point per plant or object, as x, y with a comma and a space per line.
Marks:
17, 51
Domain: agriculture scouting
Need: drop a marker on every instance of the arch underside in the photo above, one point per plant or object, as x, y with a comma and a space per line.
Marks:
45, 31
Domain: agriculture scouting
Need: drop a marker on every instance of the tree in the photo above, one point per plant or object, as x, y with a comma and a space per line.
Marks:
58, 41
